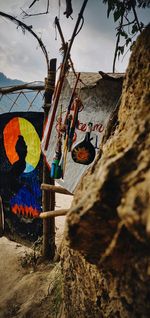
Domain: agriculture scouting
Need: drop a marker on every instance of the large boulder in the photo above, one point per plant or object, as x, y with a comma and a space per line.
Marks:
106, 254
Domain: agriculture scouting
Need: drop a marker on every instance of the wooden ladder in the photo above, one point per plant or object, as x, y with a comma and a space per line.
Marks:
55, 189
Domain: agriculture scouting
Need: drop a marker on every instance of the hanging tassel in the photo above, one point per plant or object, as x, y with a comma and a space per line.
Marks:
56, 171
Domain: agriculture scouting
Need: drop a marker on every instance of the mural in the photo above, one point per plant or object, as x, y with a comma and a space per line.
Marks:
21, 162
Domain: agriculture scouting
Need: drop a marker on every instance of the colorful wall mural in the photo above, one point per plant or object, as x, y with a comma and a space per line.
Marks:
21, 162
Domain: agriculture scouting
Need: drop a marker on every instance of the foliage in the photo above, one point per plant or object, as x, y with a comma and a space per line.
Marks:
30, 259
143, 3
124, 12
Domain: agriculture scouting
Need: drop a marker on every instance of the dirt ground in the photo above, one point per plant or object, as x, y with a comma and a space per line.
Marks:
29, 288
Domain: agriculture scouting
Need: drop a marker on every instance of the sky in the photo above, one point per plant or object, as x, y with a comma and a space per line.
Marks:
92, 51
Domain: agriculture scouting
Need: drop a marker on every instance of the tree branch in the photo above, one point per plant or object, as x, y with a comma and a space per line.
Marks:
11, 89
136, 18
33, 3
29, 29
26, 15
117, 43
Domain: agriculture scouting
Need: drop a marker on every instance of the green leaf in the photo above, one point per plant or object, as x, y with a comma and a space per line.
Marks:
134, 28
108, 12
120, 49
128, 41
110, 7
117, 15
141, 25
123, 33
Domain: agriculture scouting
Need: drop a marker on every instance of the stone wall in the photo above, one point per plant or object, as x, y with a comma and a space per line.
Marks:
106, 254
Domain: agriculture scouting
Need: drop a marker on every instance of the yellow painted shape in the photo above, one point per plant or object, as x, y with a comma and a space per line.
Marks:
32, 141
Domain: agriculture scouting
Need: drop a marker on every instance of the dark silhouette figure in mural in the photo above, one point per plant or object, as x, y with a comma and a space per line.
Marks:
10, 182
19, 166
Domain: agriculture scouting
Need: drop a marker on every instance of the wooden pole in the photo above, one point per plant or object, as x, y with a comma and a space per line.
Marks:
48, 198
56, 189
52, 214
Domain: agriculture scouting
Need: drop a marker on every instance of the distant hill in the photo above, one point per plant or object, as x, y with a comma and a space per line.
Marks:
5, 81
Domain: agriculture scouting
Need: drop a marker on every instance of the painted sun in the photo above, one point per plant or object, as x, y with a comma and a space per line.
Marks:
82, 154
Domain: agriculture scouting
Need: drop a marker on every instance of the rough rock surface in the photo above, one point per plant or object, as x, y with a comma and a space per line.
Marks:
106, 255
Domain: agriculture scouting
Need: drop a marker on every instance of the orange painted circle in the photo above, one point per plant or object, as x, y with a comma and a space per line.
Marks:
21, 126
11, 133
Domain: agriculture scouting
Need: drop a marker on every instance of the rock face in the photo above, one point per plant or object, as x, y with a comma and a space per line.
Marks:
106, 254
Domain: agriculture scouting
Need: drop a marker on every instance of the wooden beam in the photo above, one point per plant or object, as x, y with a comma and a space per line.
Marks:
11, 89
56, 189
52, 214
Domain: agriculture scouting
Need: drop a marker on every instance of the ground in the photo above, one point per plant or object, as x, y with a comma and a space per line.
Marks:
29, 286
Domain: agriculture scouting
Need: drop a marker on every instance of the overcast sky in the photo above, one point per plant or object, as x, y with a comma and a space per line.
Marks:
93, 48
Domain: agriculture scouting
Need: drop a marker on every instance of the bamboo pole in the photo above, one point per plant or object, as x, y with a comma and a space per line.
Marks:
53, 214
48, 198
56, 189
